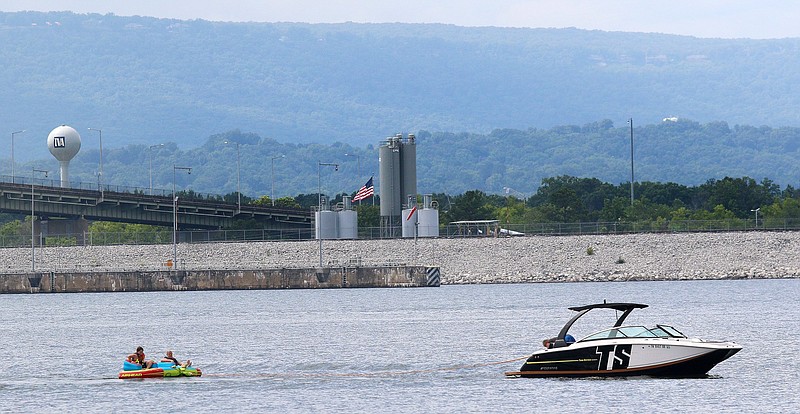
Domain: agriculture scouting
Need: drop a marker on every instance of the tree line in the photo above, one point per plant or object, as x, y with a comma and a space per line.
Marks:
569, 199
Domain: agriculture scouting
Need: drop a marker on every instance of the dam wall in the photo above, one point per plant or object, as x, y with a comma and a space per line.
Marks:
166, 280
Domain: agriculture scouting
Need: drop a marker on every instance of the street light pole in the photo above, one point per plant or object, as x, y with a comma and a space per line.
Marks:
319, 208
631, 122
100, 179
175, 216
150, 161
272, 193
33, 237
756, 211
358, 160
12, 152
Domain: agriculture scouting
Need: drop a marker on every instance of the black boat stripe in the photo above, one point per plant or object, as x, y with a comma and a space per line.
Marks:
603, 372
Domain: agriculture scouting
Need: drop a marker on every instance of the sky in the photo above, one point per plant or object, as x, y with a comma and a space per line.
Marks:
756, 19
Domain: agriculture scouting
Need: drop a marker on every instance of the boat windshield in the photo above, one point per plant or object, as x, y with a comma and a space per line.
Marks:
669, 331
660, 331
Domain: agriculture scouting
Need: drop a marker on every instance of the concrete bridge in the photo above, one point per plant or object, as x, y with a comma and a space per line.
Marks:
132, 205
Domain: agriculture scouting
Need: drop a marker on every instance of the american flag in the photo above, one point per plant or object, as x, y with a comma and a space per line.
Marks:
367, 191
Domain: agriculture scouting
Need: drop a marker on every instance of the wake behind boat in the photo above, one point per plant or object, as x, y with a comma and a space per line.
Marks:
661, 351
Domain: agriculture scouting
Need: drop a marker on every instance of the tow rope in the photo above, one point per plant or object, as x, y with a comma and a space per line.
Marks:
365, 374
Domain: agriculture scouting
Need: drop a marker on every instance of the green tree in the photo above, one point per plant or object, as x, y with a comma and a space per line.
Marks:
719, 212
739, 195
11, 228
781, 210
615, 209
264, 201
513, 212
645, 210
287, 202
472, 205
368, 215
106, 232
568, 206
307, 200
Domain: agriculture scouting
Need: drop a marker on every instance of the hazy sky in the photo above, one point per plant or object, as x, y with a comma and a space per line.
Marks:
758, 19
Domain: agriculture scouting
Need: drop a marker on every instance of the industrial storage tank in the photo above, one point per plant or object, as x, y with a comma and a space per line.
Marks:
326, 223
408, 169
348, 220
410, 217
428, 218
390, 177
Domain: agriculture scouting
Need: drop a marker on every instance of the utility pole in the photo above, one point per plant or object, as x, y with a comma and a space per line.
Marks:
631, 122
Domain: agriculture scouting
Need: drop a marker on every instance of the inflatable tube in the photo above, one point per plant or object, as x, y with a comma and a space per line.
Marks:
159, 370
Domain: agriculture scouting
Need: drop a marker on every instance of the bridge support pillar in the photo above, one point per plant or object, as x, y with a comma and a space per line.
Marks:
61, 231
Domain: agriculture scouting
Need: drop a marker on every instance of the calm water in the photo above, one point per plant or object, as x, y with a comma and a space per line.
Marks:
386, 350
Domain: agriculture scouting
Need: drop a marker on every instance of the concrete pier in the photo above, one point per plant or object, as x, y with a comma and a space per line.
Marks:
148, 281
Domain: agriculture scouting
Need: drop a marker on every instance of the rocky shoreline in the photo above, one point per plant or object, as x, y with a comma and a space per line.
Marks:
590, 258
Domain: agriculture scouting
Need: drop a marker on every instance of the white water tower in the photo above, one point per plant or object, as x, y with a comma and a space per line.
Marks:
64, 143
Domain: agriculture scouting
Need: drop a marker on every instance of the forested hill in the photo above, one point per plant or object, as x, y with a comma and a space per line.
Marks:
680, 151
146, 80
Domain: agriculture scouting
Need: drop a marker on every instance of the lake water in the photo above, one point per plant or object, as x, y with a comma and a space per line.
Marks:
386, 350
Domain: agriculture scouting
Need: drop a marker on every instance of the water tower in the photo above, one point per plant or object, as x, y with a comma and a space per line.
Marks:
64, 143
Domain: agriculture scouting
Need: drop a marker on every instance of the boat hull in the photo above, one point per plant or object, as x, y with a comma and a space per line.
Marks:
653, 357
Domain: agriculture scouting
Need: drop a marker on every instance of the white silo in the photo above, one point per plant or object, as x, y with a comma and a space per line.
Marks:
410, 218
348, 220
326, 223
64, 143
429, 217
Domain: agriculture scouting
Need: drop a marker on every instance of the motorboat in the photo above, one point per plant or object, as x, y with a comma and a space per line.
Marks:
660, 351
158, 370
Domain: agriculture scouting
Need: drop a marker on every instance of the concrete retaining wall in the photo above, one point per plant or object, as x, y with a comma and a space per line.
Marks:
145, 281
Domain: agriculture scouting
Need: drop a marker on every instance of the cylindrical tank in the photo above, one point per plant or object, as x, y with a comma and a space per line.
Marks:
428, 217
348, 220
327, 223
428, 222
409, 221
390, 177
348, 224
408, 169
